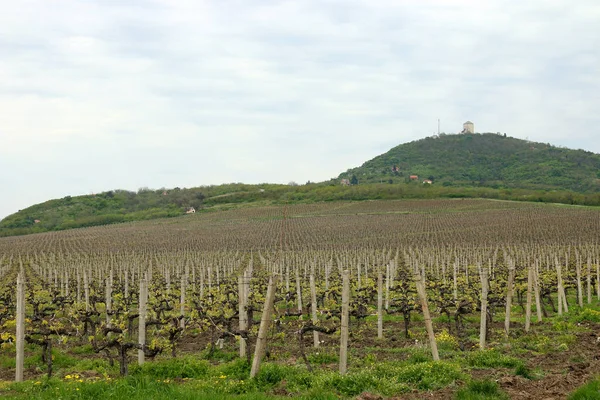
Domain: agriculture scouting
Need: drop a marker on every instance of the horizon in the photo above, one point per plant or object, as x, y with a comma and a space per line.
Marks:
153, 93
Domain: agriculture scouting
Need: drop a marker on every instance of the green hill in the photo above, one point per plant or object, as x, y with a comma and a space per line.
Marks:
465, 165
485, 160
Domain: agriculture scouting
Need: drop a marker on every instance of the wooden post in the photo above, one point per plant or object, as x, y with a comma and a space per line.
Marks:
20, 339
589, 282
299, 293
598, 280
579, 285
380, 304
345, 322
182, 286
455, 282
242, 312
509, 294
86, 291
426, 316
529, 296
484, 303
126, 294
313, 301
261, 340
107, 300
388, 277
536, 286
142, 319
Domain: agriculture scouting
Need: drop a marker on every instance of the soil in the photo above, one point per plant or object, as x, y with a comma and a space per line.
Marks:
563, 372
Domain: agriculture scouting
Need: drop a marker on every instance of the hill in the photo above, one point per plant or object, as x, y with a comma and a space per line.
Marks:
468, 166
485, 160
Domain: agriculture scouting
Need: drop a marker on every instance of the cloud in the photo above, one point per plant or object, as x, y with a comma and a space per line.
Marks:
103, 94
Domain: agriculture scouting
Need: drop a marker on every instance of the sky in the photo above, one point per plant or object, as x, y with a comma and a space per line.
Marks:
104, 94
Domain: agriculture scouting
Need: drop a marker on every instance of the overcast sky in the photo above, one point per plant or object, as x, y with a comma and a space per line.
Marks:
104, 94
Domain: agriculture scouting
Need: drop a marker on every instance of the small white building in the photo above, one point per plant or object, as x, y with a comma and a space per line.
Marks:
468, 127
190, 210
427, 182
345, 182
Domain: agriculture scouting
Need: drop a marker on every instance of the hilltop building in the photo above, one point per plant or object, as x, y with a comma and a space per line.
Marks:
190, 210
468, 127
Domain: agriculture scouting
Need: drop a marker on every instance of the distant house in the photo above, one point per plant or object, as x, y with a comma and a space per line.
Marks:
414, 177
165, 193
427, 182
345, 182
36, 221
395, 168
190, 210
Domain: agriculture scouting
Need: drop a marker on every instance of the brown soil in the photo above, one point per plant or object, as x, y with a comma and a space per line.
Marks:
563, 373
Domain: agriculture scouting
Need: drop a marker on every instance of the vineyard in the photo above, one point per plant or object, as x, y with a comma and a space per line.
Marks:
458, 298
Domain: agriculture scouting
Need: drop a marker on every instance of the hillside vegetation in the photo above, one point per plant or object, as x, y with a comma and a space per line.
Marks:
489, 160
470, 166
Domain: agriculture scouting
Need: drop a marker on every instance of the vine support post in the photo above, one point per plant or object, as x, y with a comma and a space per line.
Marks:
598, 280
455, 282
107, 301
388, 276
484, 304
313, 303
589, 282
426, 316
529, 298
345, 322
242, 312
579, 284
380, 304
20, 339
536, 287
142, 303
183, 288
265, 322
509, 294
86, 291
299, 293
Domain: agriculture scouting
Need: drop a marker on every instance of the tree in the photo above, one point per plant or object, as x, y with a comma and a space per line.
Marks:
354, 180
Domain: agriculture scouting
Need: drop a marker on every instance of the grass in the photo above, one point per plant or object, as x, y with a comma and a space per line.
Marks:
590, 391
388, 367
481, 390
190, 377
